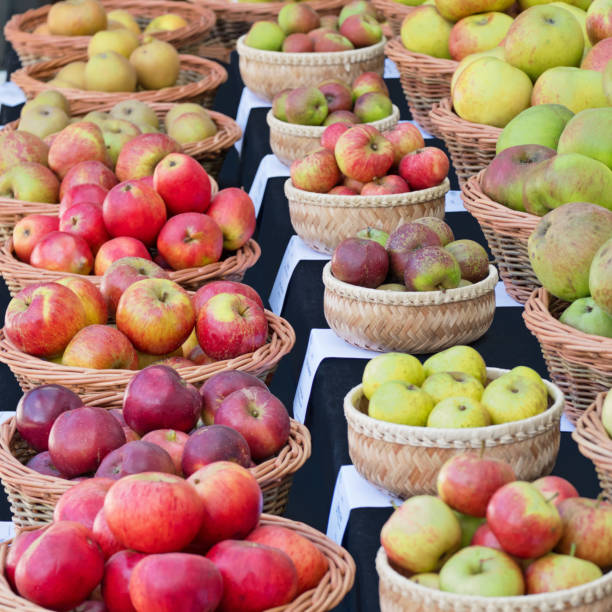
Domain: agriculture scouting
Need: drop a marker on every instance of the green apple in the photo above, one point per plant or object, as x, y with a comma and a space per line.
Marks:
265, 35
421, 534
191, 127
469, 525
554, 572
97, 117
278, 104
460, 358
497, 52
580, 16
428, 579
43, 120
116, 133
391, 366
606, 413
295, 17
306, 106
400, 402
513, 397
458, 412
451, 384
607, 82
600, 275
483, 571
530, 374
137, 112
49, 97
589, 133
372, 106
31, 182
378, 235
425, 31
585, 315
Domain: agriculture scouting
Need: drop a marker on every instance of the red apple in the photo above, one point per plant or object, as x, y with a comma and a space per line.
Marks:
362, 153
331, 42
82, 502
338, 95
171, 440
360, 261
81, 438
356, 186
362, 30
424, 168
405, 138
29, 230
342, 190
483, 536
93, 301
87, 173
388, 184
118, 248
555, 488
42, 464
405, 239
19, 146
205, 292
341, 116
368, 82
85, 220
108, 543
134, 458
63, 252
316, 172
84, 192
233, 211
318, 32
15, 552
298, 43
331, 133
115, 584
130, 434
138, 157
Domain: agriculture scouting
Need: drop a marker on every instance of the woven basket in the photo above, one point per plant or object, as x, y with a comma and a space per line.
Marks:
32, 48
399, 594
322, 220
425, 79
266, 73
471, 145
507, 232
581, 364
198, 81
289, 141
394, 13
330, 591
408, 321
406, 460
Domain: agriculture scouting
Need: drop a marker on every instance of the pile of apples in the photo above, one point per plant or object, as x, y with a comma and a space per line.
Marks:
489, 535
449, 390
301, 30
333, 101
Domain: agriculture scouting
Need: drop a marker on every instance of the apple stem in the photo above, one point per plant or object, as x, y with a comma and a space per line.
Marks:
572, 552
552, 497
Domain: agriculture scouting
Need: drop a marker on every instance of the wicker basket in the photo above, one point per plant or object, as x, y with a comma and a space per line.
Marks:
408, 321
471, 145
266, 73
581, 364
330, 591
198, 81
406, 460
507, 232
32, 48
289, 141
33, 496
399, 594
322, 220
425, 79
394, 12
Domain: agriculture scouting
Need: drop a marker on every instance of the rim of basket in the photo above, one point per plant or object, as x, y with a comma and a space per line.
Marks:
396, 48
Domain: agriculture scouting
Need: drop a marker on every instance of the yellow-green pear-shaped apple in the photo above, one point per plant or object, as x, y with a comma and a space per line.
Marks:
600, 275
453, 10
580, 16
122, 41
599, 20
421, 534
391, 366
49, 97
606, 413
399, 402
491, 91
110, 72
589, 133
452, 384
43, 120
425, 31
459, 358
512, 398
497, 52
478, 33
586, 316
73, 73
532, 375
185, 107
135, 111
157, 64
265, 35
165, 23
428, 579
124, 18
457, 413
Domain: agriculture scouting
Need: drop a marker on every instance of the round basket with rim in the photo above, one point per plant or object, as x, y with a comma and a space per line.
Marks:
394, 13
33, 496
330, 591
32, 48
266, 73
323, 220
405, 459
471, 145
507, 232
408, 321
198, 81
581, 364
290, 141
425, 79
399, 594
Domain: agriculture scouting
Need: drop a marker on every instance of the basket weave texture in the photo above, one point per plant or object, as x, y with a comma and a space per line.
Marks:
394, 12
425, 80
471, 145
32, 48
408, 321
289, 141
399, 594
507, 232
406, 460
581, 364
268, 72
322, 221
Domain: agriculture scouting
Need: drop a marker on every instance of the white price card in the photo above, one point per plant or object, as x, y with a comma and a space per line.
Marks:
248, 101
269, 167
10, 94
391, 71
7, 530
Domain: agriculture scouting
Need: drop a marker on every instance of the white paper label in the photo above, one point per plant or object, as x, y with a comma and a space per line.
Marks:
7, 530
248, 101
10, 94
391, 71
453, 202
269, 167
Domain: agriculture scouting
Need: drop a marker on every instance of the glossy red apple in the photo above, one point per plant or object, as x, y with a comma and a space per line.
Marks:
29, 230
234, 212
117, 248
42, 464
82, 502
424, 168
96, 311
62, 252
483, 536
101, 533
331, 133
172, 441
555, 488
115, 584
405, 138
85, 220
85, 192
205, 292
135, 457
18, 547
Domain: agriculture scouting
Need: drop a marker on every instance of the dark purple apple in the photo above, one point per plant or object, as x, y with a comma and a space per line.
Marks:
405, 239
42, 464
158, 398
471, 257
38, 409
133, 458
431, 269
214, 443
445, 233
360, 261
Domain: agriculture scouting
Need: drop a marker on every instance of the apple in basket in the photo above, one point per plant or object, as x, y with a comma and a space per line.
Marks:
423, 168
172, 441
204, 293
18, 547
140, 155
105, 538
29, 230
117, 248
134, 458
83, 192
403, 241
83, 501
96, 311
115, 584
556, 487
233, 211
554, 572
331, 133
360, 261
87, 173
62, 252
405, 138
86, 220
316, 172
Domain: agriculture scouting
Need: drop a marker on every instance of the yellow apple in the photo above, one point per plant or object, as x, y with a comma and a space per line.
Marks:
460, 358
575, 88
580, 16
110, 71
425, 31
441, 385
76, 18
400, 402
607, 81
478, 33
391, 366
185, 107
122, 41
43, 120
49, 97
125, 19
497, 52
458, 412
137, 112
191, 127
74, 73
157, 64
162, 23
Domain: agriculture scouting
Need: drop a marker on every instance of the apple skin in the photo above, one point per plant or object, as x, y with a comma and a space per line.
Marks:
214, 443
341, 116
445, 233
182, 183
259, 416
386, 185
21, 147
232, 501
62, 252
83, 192
42, 464
115, 584
557, 572
15, 552
342, 190
81, 438
360, 261
88, 172
405, 138
93, 301
139, 156
175, 581
549, 485
220, 385
466, 482
91, 605
332, 42
424, 168
37, 410
405, 239
117, 248
256, 577
42, 318
86, 220
476, 33
233, 211
317, 172
172, 441
153, 513
298, 18
361, 30
331, 133
471, 257
158, 398
599, 21
190, 240
29, 230
134, 458
367, 82
298, 43
205, 292
82, 502
337, 94
229, 325
483, 536
101, 533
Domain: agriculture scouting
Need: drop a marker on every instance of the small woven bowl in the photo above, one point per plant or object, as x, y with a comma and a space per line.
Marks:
266, 73
471, 145
405, 460
198, 81
330, 591
581, 364
399, 594
394, 13
408, 321
289, 141
32, 48
425, 79
507, 232
322, 220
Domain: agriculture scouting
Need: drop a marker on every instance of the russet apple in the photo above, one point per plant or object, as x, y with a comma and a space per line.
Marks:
76, 18
445, 233
362, 153
118, 248
337, 94
477, 33
405, 138
233, 211
100, 347
93, 301
18, 147
599, 276
140, 155
331, 133
82, 502
134, 458
88, 172
172, 441
360, 261
29, 230
64, 252
431, 268
115, 583
405, 239
472, 259
29, 181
